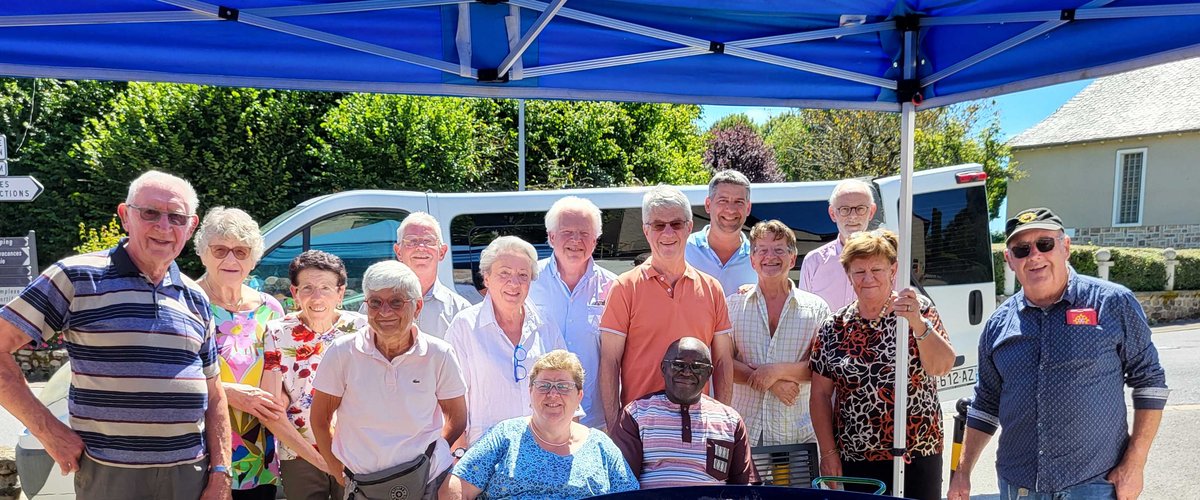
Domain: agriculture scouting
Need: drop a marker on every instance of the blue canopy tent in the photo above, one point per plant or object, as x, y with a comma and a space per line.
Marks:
882, 55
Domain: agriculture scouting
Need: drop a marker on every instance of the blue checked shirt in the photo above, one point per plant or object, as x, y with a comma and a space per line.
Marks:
1057, 389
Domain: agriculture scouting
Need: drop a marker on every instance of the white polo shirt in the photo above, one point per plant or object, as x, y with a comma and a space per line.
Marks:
488, 365
389, 412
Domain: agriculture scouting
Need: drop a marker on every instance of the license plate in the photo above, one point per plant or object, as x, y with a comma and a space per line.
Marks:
958, 378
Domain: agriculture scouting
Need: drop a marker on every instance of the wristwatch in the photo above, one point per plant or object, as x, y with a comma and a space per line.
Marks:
459, 452
928, 329
221, 469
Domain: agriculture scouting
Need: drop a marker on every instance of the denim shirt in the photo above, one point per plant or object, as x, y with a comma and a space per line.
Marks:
1057, 388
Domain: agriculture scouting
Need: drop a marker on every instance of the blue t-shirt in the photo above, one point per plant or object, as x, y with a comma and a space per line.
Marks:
508, 463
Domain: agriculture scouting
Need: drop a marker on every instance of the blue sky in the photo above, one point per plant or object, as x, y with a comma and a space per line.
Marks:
1018, 111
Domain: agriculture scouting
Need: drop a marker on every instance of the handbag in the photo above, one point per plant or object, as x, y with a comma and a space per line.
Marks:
400, 482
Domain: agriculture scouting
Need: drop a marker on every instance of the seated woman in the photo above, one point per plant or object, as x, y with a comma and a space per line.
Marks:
853, 374
546, 455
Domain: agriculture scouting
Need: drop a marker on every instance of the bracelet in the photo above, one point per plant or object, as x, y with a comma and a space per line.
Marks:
828, 452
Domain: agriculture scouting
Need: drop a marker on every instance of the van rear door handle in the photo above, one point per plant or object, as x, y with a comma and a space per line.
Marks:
975, 307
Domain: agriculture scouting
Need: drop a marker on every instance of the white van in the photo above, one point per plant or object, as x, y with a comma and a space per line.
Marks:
951, 249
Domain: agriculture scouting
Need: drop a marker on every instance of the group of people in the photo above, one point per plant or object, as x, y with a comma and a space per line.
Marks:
567, 380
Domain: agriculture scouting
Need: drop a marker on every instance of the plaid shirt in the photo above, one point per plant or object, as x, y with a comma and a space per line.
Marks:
766, 417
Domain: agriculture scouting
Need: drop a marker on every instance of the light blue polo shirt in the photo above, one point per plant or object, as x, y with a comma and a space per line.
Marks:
732, 274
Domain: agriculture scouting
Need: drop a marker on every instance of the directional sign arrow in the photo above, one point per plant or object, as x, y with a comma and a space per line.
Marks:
14, 281
19, 188
19, 242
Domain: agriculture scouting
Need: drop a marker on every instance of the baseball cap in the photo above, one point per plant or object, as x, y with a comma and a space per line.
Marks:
1031, 218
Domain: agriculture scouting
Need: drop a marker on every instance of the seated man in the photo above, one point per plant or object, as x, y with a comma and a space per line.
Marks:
680, 436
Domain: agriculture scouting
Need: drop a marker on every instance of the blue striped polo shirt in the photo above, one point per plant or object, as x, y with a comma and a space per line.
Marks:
140, 355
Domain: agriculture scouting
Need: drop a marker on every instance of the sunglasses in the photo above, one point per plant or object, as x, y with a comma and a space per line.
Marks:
694, 366
154, 215
222, 251
563, 388
677, 225
1043, 244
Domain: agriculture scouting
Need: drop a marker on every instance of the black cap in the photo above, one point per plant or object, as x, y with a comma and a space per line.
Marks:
1031, 218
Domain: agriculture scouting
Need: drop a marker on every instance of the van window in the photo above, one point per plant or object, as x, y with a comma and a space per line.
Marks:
360, 238
950, 231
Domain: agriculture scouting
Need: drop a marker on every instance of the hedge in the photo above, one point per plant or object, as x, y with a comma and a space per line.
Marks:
1140, 269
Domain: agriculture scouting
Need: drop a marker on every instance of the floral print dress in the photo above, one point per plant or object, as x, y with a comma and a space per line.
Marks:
240, 343
295, 351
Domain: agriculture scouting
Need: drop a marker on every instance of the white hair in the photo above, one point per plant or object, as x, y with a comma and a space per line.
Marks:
391, 275
574, 204
728, 176
852, 186
231, 223
664, 196
508, 245
166, 181
420, 219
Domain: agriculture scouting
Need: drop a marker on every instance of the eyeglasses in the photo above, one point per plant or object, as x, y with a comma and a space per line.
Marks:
222, 251
1044, 245
394, 304
519, 355
777, 251
570, 234
659, 226
153, 215
857, 210
694, 366
309, 290
563, 388
415, 242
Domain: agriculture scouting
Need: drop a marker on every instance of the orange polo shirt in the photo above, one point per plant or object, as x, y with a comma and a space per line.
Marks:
651, 315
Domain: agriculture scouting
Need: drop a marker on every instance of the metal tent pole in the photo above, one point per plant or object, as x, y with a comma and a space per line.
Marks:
520, 144
908, 114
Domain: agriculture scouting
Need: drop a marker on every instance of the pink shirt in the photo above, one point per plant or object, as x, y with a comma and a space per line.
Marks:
822, 273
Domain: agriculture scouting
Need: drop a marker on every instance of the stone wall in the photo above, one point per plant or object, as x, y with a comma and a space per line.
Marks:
9, 489
1163, 307
1177, 236
39, 365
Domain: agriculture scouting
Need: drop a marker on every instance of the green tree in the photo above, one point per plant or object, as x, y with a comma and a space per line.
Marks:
44, 120
244, 148
834, 144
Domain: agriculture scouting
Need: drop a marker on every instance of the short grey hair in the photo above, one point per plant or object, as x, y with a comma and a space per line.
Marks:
852, 186
231, 223
420, 219
166, 181
664, 196
391, 275
574, 204
728, 176
508, 245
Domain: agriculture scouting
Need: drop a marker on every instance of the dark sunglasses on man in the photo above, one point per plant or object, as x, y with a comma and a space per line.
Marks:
1044, 245
695, 366
153, 215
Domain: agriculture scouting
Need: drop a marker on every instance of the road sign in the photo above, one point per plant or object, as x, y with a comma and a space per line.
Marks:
19, 188
18, 261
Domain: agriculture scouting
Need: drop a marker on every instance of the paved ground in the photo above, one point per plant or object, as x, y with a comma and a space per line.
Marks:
1172, 472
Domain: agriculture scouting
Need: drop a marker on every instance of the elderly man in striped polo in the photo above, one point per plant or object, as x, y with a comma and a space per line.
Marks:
148, 415
679, 436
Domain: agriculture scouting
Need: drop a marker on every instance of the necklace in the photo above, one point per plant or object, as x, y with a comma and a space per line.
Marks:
229, 306
533, 428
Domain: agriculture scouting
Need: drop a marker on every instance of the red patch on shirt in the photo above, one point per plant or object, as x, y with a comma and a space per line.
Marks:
1081, 316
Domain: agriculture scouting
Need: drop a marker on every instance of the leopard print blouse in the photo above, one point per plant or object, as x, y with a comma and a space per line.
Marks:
859, 356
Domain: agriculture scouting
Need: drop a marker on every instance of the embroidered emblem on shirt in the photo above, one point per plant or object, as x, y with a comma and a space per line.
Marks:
1081, 316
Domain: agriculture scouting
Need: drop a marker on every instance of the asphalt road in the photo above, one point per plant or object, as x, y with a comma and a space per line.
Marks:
1172, 472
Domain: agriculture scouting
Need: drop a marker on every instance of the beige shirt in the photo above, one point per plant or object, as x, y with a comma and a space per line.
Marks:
767, 418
